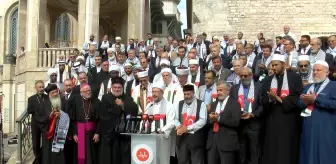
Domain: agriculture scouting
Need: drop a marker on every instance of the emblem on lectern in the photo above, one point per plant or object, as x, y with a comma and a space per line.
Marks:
142, 154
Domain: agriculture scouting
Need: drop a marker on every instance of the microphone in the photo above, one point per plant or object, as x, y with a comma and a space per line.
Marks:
150, 120
138, 121
144, 121
157, 122
128, 119
163, 120
133, 119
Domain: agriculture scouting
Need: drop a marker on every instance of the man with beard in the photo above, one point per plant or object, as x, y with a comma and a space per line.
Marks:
305, 70
82, 79
36, 107
128, 72
95, 70
161, 107
115, 105
262, 62
318, 143
88, 43
196, 76
111, 57
224, 119
182, 75
164, 63
85, 125
101, 76
247, 92
130, 85
52, 75
89, 60
56, 123
221, 73
105, 86
142, 93
318, 54
190, 118
304, 47
280, 93
63, 71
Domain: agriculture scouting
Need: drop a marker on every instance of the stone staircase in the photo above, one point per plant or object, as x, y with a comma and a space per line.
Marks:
28, 160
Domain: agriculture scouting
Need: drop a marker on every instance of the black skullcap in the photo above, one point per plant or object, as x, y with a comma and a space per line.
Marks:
50, 88
118, 80
188, 88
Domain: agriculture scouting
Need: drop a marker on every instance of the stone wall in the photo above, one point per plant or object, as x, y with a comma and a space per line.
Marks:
315, 17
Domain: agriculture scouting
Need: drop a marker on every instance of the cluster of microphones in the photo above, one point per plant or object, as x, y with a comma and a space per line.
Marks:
143, 124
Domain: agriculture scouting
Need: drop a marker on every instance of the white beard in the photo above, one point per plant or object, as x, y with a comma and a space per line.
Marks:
56, 102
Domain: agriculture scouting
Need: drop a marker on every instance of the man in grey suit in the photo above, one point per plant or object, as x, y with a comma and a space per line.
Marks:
221, 73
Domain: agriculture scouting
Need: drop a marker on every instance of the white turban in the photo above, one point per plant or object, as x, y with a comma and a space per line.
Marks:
80, 58
52, 71
322, 62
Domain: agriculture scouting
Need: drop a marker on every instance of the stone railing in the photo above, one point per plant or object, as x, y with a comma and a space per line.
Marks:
47, 57
24, 146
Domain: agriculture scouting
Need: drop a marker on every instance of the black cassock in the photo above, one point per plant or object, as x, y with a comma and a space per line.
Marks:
282, 122
47, 155
88, 117
115, 148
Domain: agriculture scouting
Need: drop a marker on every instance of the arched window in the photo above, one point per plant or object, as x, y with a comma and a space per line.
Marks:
62, 27
13, 31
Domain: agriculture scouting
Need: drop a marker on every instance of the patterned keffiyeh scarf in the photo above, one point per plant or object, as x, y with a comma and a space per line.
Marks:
331, 51
61, 132
250, 97
189, 113
284, 89
197, 80
319, 56
307, 112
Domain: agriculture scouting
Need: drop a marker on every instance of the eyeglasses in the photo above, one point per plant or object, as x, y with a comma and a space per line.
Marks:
301, 66
53, 75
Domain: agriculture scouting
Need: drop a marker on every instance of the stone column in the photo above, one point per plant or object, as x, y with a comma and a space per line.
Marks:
88, 20
136, 19
189, 14
22, 21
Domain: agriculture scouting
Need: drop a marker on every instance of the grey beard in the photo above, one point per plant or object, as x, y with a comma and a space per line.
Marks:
56, 102
189, 101
117, 94
193, 73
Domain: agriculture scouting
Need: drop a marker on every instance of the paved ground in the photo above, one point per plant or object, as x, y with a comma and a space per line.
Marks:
8, 149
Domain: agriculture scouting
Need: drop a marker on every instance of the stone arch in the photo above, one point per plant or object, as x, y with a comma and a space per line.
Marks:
11, 30
65, 30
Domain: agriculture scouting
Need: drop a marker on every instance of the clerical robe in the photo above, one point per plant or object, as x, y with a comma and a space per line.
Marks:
85, 124
115, 148
282, 122
318, 144
166, 110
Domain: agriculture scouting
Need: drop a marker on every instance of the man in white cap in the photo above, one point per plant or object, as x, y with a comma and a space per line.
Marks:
142, 93
161, 108
130, 85
105, 86
280, 93
318, 144
118, 41
111, 57
128, 76
182, 75
196, 75
164, 63
170, 92
63, 71
52, 79
305, 70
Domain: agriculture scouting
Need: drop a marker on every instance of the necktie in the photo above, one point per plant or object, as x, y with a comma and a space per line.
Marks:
304, 51
316, 88
181, 62
67, 96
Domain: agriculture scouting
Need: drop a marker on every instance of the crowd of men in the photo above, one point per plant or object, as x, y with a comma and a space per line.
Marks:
228, 101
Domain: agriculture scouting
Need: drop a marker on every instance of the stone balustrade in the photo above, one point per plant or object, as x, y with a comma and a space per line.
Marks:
47, 57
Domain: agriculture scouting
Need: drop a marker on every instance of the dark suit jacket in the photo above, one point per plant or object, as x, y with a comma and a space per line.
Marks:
39, 108
227, 136
257, 107
207, 45
129, 87
299, 52
93, 72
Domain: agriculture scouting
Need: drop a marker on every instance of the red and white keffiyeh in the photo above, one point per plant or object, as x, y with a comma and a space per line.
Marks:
250, 97
307, 112
284, 89
189, 113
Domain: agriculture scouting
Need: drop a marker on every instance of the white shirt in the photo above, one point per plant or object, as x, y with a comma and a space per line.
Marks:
198, 124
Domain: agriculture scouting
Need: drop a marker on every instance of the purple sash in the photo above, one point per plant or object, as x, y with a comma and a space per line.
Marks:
81, 129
